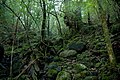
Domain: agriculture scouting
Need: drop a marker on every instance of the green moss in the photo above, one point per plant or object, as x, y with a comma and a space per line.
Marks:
79, 67
51, 73
63, 75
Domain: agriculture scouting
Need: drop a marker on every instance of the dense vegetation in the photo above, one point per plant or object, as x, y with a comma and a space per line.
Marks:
59, 40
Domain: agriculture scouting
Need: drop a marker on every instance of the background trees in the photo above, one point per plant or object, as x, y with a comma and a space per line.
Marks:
36, 31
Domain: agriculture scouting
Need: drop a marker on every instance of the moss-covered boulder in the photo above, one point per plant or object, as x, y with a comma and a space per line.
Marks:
79, 47
68, 53
83, 55
81, 75
63, 75
52, 73
54, 65
91, 78
52, 70
79, 67
58, 59
77, 76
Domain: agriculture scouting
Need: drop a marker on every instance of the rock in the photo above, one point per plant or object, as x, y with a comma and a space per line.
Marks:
79, 47
52, 73
77, 76
83, 55
79, 67
63, 75
57, 59
84, 73
91, 78
81, 75
55, 65
68, 53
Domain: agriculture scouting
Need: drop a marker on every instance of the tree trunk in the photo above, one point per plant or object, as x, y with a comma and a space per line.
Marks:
106, 35
48, 27
44, 20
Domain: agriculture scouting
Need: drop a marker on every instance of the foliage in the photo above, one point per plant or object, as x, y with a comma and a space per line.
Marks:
27, 56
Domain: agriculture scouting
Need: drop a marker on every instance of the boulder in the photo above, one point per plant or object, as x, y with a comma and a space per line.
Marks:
79, 67
63, 75
81, 75
68, 53
79, 47
52, 73
55, 66
91, 78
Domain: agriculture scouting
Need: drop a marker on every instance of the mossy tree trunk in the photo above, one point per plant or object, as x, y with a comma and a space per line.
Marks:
44, 19
106, 35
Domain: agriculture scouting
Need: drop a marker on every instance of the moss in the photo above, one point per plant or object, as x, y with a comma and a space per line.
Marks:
52, 73
63, 75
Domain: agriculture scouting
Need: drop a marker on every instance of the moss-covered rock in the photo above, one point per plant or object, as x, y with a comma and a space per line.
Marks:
91, 78
79, 67
52, 73
84, 55
55, 65
79, 47
68, 53
63, 75
77, 76
81, 75
57, 59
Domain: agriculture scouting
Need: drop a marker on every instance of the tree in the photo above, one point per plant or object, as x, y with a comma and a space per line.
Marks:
44, 19
106, 34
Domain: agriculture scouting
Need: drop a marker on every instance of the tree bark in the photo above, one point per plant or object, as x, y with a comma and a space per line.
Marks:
44, 20
106, 35
48, 27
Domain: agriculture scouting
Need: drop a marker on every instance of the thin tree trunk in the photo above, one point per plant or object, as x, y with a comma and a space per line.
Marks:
106, 35
56, 15
44, 20
48, 25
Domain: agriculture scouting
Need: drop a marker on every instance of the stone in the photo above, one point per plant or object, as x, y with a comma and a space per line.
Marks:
68, 53
79, 67
79, 47
91, 78
52, 73
63, 75
55, 65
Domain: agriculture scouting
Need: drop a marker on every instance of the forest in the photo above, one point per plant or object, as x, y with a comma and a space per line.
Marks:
59, 39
